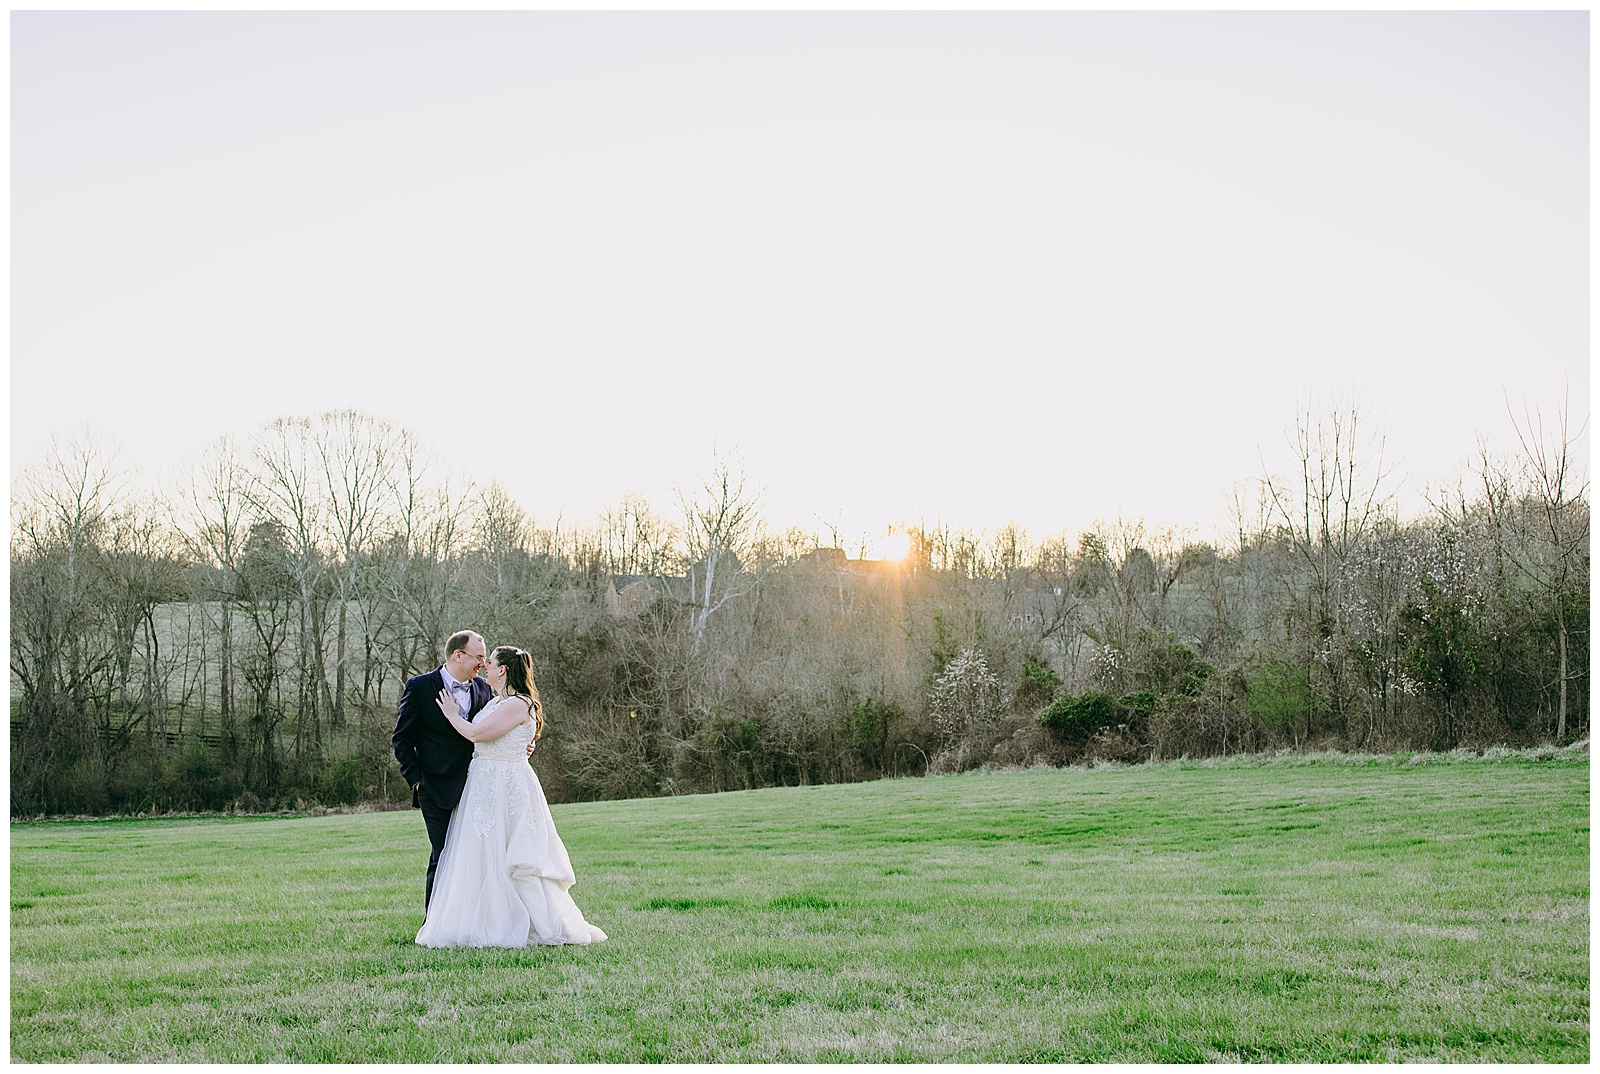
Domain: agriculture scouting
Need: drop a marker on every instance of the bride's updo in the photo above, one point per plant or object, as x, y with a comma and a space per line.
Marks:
519, 679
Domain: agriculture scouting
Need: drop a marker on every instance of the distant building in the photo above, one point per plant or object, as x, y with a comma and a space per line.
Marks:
636, 589
824, 557
836, 559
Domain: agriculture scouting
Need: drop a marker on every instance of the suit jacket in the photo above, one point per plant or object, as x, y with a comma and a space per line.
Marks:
429, 750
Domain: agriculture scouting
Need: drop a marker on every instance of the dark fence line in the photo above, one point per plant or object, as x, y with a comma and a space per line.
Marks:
117, 736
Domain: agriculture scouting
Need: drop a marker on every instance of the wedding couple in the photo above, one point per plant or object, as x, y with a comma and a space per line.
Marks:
498, 875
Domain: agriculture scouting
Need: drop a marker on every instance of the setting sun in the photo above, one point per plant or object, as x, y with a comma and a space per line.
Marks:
894, 546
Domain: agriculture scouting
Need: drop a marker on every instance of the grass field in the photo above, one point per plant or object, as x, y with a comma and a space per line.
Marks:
1365, 911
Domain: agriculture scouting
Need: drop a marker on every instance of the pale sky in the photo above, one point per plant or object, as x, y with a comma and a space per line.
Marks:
1042, 267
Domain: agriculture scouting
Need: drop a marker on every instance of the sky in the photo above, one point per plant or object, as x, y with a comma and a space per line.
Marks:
1042, 268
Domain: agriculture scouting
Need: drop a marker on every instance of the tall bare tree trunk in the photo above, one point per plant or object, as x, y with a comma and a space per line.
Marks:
1561, 710
339, 672
225, 679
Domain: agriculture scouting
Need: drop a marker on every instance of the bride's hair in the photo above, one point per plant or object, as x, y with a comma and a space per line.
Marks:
519, 679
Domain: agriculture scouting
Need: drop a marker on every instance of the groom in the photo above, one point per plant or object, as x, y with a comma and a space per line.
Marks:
433, 757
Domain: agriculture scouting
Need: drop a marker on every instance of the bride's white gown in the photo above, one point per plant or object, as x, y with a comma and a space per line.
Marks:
503, 877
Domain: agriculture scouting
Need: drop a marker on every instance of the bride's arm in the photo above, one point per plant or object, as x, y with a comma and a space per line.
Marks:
505, 716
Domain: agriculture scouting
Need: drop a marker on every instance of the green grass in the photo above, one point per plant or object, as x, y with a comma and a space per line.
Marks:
1375, 911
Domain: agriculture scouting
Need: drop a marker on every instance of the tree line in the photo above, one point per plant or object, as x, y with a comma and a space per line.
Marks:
238, 640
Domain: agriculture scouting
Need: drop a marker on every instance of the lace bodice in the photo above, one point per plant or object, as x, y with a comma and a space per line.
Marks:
511, 746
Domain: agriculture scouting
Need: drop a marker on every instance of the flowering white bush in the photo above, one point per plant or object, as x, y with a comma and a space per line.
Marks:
1108, 661
966, 695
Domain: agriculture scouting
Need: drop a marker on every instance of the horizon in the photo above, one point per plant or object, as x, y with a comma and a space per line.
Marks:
455, 473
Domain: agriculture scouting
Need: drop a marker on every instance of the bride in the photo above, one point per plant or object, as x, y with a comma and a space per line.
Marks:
503, 877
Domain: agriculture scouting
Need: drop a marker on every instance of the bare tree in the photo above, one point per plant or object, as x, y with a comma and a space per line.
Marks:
214, 523
1339, 491
1321, 513
289, 491
720, 525
62, 510
420, 558
1554, 518
502, 531
356, 453
267, 592
634, 539
143, 570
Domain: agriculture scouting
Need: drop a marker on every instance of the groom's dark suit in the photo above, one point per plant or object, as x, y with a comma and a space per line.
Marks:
434, 757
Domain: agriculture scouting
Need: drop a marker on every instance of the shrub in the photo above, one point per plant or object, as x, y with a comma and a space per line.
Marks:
1142, 703
1073, 718
344, 781
733, 752
1039, 684
195, 779
1117, 743
1028, 745
1165, 666
865, 730
1275, 695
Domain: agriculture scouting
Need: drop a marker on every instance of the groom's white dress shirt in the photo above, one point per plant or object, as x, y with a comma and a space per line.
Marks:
461, 691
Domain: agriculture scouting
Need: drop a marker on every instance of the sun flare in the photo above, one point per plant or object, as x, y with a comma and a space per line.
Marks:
894, 546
